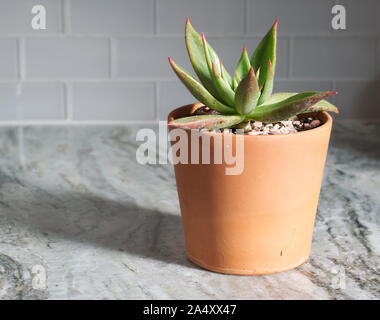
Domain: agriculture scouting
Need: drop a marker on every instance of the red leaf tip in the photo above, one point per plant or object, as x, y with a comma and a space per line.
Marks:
171, 62
330, 93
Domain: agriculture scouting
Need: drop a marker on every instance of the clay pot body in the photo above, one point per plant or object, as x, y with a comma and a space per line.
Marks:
260, 221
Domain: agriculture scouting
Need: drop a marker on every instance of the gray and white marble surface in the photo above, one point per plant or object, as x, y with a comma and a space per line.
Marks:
81, 219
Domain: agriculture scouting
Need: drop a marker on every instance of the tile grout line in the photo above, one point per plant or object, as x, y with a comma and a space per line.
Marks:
66, 21
121, 80
155, 17
22, 59
110, 60
18, 57
113, 57
250, 35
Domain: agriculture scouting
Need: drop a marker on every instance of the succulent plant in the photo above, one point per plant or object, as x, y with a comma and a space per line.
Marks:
245, 96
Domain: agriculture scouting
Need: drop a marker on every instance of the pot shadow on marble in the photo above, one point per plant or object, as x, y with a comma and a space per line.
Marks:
98, 221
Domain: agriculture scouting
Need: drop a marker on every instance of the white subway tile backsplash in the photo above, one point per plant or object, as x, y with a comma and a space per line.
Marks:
113, 101
115, 17
9, 109
335, 57
172, 94
358, 99
296, 16
107, 60
32, 101
211, 16
62, 58
8, 59
148, 57
42, 101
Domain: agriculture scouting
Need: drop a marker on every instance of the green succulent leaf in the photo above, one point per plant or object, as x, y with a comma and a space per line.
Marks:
247, 94
235, 81
198, 59
198, 91
265, 51
215, 121
267, 86
322, 105
242, 66
207, 53
221, 68
223, 88
289, 107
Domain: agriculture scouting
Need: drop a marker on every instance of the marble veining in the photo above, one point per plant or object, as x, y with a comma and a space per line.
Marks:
75, 204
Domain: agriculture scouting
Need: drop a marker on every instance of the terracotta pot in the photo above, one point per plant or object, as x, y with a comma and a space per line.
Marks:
260, 221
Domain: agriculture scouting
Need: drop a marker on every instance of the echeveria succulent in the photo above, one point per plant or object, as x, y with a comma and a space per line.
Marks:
248, 94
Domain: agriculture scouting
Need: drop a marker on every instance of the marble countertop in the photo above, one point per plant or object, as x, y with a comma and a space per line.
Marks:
81, 219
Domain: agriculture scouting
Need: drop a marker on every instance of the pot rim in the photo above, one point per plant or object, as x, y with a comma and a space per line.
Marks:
325, 125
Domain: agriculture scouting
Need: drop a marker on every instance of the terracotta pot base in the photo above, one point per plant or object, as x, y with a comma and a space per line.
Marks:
241, 272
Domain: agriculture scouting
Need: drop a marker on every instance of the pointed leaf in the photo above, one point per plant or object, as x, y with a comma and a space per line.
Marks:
198, 60
265, 50
224, 90
322, 105
289, 107
242, 66
215, 121
267, 85
247, 94
209, 59
198, 91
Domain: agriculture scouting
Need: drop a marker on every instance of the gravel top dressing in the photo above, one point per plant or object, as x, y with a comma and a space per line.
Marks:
284, 127
256, 128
